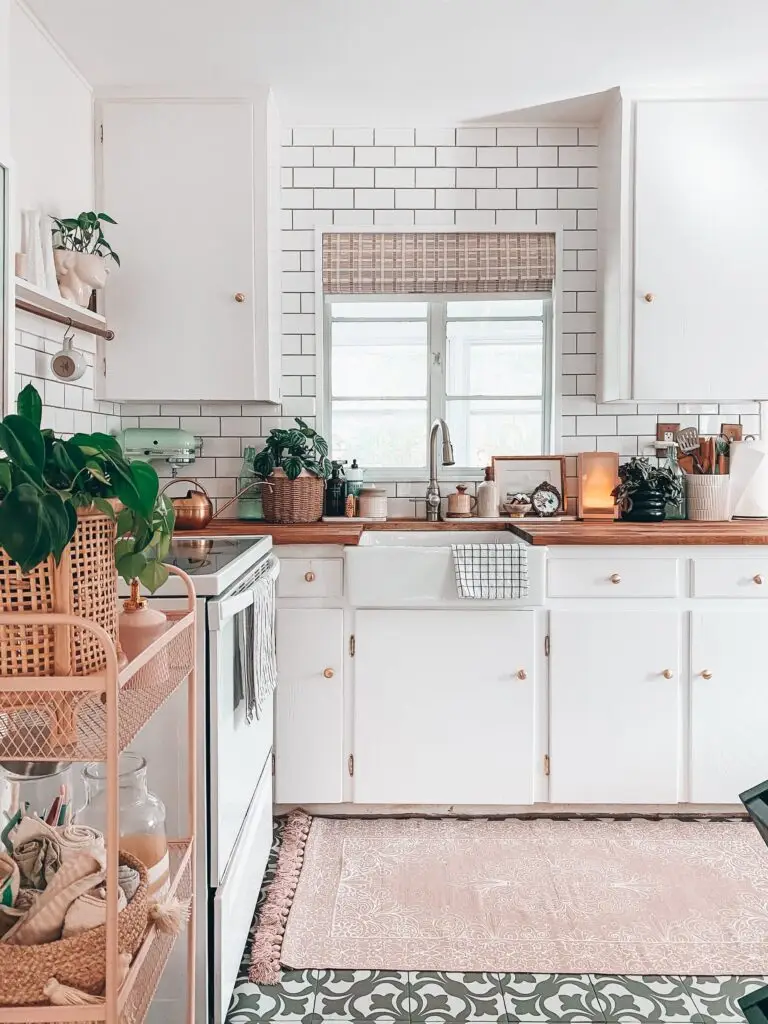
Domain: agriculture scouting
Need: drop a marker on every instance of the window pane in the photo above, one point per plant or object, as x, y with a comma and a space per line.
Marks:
378, 310
391, 434
496, 307
482, 428
379, 360
495, 358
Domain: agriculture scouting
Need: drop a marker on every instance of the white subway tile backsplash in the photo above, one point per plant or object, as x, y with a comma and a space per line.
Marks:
551, 220
237, 426
415, 156
516, 177
536, 198
578, 156
296, 156
537, 156
393, 218
415, 198
497, 198
395, 177
313, 137
393, 136
516, 220
434, 218
333, 156
456, 156
312, 177
374, 156
576, 198
473, 177
352, 218
498, 156
516, 136
375, 198
333, 198
353, 177
441, 177
475, 220
435, 136
475, 136
558, 177
353, 136
455, 198
558, 136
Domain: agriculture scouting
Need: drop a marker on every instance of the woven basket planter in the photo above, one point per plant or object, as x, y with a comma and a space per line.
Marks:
293, 501
79, 961
83, 583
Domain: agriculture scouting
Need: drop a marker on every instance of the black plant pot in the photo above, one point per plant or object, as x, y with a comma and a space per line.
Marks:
646, 506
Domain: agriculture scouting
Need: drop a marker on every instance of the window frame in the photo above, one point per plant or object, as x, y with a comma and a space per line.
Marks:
437, 342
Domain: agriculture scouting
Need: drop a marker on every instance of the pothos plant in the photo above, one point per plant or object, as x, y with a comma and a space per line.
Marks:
294, 450
84, 234
44, 479
639, 475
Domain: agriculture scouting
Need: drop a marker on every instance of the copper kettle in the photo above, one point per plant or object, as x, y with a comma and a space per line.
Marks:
194, 510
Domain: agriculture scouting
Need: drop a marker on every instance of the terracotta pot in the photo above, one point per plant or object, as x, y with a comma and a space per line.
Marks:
79, 273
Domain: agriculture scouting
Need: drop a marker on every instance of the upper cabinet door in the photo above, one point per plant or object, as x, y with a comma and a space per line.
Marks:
700, 259
189, 184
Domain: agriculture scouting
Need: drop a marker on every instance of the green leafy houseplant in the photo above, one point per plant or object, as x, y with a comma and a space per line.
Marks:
641, 483
300, 448
45, 479
84, 234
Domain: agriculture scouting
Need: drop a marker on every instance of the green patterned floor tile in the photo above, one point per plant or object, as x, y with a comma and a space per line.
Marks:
542, 998
439, 996
362, 995
630, 998
292, 1000
716, 997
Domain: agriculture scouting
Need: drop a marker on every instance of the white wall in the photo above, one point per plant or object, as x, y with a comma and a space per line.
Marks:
5, 75
51, 144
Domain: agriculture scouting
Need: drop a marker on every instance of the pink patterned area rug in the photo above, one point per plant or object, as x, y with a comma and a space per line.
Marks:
540, 896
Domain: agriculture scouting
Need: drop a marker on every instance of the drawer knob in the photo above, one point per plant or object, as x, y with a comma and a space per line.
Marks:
522, 674
706, 674
649, 297
239, 297
328, 673
615, 578
667, 673
758, 579
309, 576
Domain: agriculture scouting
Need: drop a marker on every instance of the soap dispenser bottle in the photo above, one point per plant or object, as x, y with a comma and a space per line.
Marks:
336, 490
487, 497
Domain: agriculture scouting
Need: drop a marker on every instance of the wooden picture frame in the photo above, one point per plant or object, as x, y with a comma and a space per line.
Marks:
515, 474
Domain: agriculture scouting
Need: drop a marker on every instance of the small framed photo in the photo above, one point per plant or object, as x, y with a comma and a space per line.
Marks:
733, 431
666, 431
524, 474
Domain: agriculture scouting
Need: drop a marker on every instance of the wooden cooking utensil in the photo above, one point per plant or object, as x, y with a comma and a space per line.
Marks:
688, 442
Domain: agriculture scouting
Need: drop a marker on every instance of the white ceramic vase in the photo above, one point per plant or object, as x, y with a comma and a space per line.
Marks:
708, 497
79, 273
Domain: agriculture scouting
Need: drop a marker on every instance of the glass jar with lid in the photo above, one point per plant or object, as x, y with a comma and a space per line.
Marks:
249, 486
142, 815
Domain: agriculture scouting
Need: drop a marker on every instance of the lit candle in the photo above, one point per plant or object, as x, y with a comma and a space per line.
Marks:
598, 475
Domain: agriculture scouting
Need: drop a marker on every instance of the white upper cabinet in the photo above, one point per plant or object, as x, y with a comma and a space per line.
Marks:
195, 306
683, 260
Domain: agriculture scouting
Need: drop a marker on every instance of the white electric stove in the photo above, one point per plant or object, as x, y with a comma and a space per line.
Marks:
235, 772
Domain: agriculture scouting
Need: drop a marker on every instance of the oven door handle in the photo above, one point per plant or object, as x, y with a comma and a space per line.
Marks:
221, 611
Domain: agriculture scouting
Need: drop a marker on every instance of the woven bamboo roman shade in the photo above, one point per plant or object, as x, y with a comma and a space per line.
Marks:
412, 263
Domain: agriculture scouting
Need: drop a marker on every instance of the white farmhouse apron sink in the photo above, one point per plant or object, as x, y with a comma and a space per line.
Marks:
414, 569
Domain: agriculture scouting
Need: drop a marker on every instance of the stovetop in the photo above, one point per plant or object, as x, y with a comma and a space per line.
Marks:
206, 556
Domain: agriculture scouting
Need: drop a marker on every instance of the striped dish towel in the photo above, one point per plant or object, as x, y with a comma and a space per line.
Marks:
490, 572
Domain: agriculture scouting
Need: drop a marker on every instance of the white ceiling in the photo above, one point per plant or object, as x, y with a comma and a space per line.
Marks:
393, 62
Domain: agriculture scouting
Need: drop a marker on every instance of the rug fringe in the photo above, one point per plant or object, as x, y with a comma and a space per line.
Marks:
268, 939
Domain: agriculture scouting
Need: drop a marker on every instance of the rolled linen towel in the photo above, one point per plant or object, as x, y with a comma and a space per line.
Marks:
89, 911
77, 838
129, 880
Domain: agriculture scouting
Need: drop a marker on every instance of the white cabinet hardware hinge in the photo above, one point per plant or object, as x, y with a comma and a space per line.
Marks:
101, 133
546, 764
546, 646
351, 764
352, 646
273, 762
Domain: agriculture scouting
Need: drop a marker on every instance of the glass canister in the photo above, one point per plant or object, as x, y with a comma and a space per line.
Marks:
249, 504
142, 816
676, 509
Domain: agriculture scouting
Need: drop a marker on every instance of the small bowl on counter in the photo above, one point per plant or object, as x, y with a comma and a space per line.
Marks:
518, 506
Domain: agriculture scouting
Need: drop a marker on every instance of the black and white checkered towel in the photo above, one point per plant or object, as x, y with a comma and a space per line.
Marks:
491, 572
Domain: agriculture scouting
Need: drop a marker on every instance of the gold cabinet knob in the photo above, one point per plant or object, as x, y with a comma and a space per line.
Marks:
328, 673
757, 579
239, 296
615, 578
522, 674
706, 674
649, 297
309, 576
667, 673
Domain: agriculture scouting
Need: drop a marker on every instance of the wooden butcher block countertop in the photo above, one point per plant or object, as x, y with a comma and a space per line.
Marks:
539, 532
547, 534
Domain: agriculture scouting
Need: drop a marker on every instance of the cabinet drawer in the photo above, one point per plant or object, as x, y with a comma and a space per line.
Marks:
310, 577
613, 577
731, 577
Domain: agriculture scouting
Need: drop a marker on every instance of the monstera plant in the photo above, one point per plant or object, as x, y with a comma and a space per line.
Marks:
44, 479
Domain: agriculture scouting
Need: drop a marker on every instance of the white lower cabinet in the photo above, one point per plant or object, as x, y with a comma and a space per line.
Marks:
729, 704
309, 711
614, 706
444, 707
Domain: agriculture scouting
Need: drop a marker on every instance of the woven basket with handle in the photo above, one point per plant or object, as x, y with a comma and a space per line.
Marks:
79, 961
293, 501
83, 583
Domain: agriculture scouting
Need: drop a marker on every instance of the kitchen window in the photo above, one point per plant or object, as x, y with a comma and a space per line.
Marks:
392, 364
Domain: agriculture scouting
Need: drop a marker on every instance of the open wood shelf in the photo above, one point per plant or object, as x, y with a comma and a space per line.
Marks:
32, 299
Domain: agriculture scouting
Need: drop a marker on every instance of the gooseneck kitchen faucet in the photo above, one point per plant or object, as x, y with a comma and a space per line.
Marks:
433, 490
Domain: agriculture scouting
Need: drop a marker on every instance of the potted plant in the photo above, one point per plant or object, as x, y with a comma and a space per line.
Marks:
81, 253
644, 491
73, 514
294, 465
